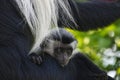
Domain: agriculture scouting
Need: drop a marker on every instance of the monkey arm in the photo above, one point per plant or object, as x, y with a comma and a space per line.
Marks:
14, 47
93, 14
84, 65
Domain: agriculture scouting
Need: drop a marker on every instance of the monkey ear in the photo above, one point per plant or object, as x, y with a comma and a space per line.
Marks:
45, 42
73, 44
50, 41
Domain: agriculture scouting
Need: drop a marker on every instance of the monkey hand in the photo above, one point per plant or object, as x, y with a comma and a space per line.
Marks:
37, 59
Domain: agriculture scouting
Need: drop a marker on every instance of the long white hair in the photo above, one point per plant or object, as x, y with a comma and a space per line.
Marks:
42, 15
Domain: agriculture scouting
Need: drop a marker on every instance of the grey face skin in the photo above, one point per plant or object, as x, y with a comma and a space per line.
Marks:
61, 52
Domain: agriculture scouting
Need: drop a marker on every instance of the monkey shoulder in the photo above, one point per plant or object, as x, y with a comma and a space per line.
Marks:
81, 60
86, 67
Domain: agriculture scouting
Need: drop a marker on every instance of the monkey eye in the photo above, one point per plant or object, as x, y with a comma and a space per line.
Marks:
59, 50
69, 51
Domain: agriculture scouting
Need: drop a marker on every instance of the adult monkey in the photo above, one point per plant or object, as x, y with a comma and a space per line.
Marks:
21, 20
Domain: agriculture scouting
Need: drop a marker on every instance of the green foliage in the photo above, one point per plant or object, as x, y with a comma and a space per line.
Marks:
102, 46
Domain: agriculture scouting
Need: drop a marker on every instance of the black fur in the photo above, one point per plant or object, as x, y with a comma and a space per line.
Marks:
59, 35
15, 43
90, 15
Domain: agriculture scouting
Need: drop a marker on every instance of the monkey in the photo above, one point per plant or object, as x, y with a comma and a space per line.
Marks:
59, 43
16, 39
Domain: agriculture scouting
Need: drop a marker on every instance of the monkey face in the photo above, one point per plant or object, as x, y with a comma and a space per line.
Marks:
62, 52
63, 55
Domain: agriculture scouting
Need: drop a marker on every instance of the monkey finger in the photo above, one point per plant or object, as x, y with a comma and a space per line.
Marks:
39, 59
34, 59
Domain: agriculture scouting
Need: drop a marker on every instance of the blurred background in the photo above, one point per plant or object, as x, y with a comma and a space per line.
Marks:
102, 46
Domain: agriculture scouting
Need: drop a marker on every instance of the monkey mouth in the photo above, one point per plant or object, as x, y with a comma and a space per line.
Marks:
64, 63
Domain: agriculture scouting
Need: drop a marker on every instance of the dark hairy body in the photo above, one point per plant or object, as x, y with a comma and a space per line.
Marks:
59, 44
15, 43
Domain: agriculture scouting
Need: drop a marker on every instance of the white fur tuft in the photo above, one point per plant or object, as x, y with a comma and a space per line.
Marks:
41, 16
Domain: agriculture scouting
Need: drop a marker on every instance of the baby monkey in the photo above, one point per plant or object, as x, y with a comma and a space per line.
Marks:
59, 44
